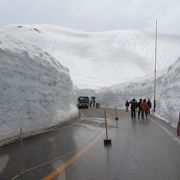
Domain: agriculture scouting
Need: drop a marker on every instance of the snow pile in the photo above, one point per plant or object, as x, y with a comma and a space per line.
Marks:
168, 95
102, 59
35, 89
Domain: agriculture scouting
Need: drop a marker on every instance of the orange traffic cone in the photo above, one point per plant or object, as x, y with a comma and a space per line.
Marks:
178, 126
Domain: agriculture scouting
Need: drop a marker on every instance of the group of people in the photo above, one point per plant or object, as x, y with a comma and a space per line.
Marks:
143, 107
93, 102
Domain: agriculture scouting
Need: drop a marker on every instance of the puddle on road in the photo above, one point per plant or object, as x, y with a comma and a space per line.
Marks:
93, 122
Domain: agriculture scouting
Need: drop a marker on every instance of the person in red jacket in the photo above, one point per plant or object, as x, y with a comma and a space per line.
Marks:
144, 108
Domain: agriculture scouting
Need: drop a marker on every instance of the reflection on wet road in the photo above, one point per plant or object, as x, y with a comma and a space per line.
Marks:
140, 150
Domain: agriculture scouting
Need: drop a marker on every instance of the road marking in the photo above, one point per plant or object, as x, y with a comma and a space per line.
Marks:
3, 161
167, 131
74, 158
62, 176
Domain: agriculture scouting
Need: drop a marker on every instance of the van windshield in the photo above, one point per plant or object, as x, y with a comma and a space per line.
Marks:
85, 99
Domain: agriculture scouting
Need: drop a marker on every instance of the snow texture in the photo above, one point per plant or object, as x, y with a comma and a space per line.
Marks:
35, 89
102, 59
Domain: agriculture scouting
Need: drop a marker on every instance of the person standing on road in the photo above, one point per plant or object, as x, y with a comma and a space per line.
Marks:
149, 106
144, 108
127, 105
139, 108
93, 101
97, 105
178, 130
90, 103
133, 108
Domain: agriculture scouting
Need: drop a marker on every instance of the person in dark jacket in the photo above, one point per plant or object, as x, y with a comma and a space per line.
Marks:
127, 105
178, 129
149, 106
139, 108
133, 108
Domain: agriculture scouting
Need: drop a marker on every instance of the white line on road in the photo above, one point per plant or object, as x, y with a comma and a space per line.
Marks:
3, 161
167, 131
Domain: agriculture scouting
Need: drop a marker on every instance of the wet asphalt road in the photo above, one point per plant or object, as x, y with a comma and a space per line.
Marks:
141, 150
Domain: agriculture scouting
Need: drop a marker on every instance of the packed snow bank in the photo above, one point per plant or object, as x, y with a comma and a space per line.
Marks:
168, 93
35, 89
102, 59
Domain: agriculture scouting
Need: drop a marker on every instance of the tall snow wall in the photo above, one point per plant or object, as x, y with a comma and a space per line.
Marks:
167, 93
35, 89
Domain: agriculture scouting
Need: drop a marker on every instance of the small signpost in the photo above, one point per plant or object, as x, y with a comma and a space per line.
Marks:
116, 117
107, 141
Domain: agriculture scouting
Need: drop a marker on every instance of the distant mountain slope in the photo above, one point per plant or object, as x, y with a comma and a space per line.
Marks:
35, 89
102, 59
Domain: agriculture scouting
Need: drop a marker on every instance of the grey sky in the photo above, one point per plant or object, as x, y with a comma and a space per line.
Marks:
95, 15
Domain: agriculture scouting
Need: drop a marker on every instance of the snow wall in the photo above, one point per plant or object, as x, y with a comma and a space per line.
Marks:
35, 89
167, 96
101, 59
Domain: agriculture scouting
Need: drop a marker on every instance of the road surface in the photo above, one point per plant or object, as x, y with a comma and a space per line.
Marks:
141, 150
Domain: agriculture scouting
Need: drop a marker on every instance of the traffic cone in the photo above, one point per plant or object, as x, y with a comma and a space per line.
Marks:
178, 126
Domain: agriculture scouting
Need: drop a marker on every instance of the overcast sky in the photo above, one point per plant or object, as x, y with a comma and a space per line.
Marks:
95, 15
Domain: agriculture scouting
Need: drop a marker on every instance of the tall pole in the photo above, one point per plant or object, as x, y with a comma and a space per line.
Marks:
106, 125
22, 155
155, 69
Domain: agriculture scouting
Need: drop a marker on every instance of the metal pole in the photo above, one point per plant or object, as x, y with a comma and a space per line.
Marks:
22, 157
116, 118
106, 125
117, 124
155, 69
116, 111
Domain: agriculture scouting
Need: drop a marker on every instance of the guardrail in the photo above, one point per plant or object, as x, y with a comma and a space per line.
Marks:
32, 133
